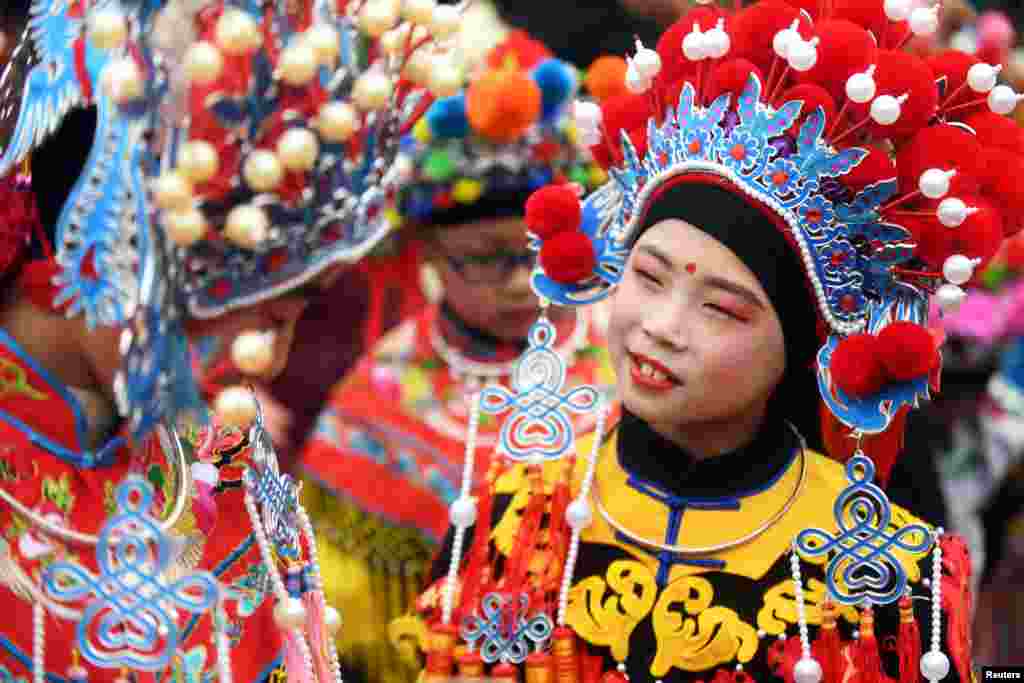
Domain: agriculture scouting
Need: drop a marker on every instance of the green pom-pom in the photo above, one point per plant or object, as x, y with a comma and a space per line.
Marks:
438, 166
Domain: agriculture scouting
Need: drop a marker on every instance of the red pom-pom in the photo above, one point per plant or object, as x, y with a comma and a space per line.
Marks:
945, 147
813, 96
906, 351
855, 366
551, 210
1013, 253
568, 257
981, 234
875, 167
1000, 178
518, 44
932, 240
731, 76
625, 113
994, 130
900, 74
638, 136
674, 64
870, 14
845, 49
753, 29
953, 65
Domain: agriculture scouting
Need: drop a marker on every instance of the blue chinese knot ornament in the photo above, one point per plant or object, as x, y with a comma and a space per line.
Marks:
502, 630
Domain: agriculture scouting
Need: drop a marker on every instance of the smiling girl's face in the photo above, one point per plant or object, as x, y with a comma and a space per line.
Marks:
697, 345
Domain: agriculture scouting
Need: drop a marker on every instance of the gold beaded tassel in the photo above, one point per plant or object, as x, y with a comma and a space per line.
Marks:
441, 658
471, 667
567, 668
539, 669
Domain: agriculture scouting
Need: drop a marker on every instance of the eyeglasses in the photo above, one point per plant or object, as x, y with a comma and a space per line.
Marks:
489, 269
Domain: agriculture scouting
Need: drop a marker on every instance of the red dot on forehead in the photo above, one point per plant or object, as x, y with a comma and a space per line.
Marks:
691, 268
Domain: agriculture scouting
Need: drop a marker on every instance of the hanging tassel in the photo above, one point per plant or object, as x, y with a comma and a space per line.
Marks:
908, 645
440, 658
827, 648
558, 528
473, 576
883, 448
539, 668
956, 601
505, 673
590, 667
869, 663
564, 649
318, 637
471, 667
526, 535
294, 661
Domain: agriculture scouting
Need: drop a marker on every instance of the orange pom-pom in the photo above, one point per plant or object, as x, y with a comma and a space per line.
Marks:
551, 210
606, 78
945, 147
900, 74
502, 104
845, 49
994, 130
906, 351
1000, 178
731, 76
875, 167
813, 96
568, 257
521, 49
855, 366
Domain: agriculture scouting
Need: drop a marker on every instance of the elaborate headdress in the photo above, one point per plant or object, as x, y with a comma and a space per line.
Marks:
241, 148
480, 153
890, 175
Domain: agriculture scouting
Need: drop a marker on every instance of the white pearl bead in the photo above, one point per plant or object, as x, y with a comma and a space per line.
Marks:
185, 228
886, 109
289, 614
418, 11
324, 41
588, 115
950, 298
198, 161
377, 17
694, 47
263, 171
172, 192
784, 39
298, 64
206, 473
934, 665
958, 269
982, 77
717, 41
122, 80
337, 121
952, 212
372, 91
803, 55
237, 33
964, 40
924, 21
897, 10
203, 63
861, 87
247, 226
578, 514
445, 21
635, 82
463, 513
108, 28
298, 149
332, 620
253, 352
934, 183
445, 77
647, 61
1003, 100
236, 407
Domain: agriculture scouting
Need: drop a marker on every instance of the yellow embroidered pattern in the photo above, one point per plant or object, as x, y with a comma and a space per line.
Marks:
779, 608
698, 637
14, 381
609, 620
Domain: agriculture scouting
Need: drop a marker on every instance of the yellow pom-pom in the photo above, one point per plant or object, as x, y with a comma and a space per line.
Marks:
421, 131
597, 176
467, 190
394, 218
570, 133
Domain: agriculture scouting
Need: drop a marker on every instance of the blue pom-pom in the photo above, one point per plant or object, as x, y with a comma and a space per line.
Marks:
557, 83
447, 118
539, 177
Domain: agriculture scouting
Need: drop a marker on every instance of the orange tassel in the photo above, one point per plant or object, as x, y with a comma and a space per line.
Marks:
827, 648
590, 667
869, 662
471, 667
441, 657
539, 668
908, 645
505, 673
564, 649
474, 575
526, 536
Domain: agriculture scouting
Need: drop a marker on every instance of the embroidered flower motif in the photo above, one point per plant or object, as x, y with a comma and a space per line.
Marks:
816, 213
781, 176
695, 143
740, 150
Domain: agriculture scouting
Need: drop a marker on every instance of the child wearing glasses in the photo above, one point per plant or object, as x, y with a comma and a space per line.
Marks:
384, 462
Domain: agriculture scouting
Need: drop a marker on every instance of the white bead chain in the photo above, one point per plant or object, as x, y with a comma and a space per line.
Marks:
463, 512
798, 593
318, 588
937, 593
579, 515
38, 642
